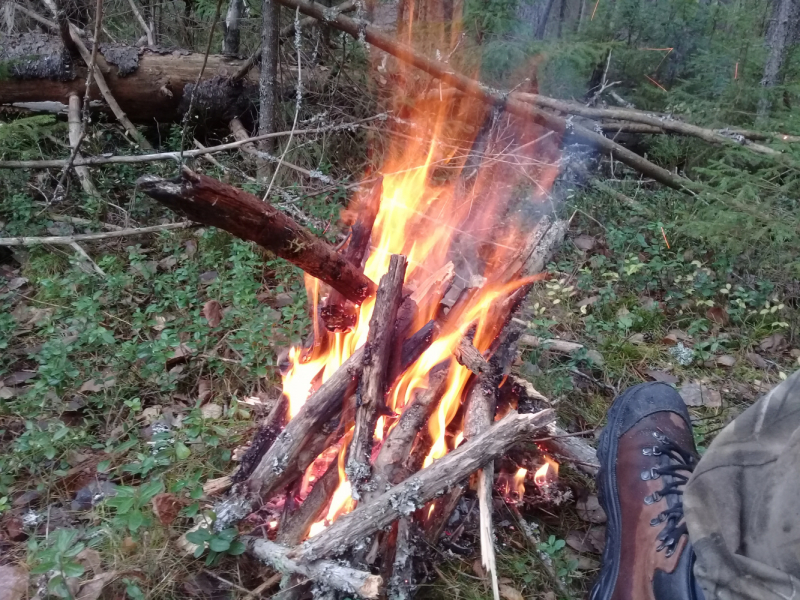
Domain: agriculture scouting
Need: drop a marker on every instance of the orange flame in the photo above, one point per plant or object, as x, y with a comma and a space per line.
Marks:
547, 473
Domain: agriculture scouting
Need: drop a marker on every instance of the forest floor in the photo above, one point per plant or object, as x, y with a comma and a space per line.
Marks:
124, 393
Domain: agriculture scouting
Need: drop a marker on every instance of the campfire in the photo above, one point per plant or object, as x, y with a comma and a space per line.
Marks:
401, 397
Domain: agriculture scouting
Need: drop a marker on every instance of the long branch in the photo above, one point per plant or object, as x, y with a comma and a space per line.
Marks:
68, 240
445, 72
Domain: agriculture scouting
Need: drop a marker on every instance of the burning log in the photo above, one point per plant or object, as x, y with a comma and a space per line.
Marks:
417, 490
372, 385
211, 202
346, 579
296, 528
338, 314
268, 430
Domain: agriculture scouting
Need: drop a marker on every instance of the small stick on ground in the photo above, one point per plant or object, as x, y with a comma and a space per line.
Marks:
74, 121
372, 386
68, 240
419, 489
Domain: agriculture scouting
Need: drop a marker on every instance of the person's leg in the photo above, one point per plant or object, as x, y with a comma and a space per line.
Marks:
646, 455
743, 503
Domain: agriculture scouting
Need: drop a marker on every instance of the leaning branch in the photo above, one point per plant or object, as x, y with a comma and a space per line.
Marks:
474, 88
211, 202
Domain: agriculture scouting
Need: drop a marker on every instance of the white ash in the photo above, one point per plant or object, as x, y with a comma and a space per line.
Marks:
230, 511
682, 354
32, 518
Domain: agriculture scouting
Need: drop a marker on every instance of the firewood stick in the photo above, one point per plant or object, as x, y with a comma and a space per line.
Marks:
212, 202
403, 584
337, 313
389, 468
268, 430
468, 355
337, 576
323, 405
74, 121
417, 490
479, 412
372, 386
443, 507
295, 529
471, 87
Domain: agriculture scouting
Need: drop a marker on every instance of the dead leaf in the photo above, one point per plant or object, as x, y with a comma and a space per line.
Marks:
208, 277
129, 545
510, 593
19, 378
588, 301
14, 283
584, 242
662, 376
204, 389
590, 510
90, 559
582, 562
5, 392
91, 590
478, 569
181, 355
212, 311
106, 380
699, 394
726, 360
283, 299
718, 315
637, 339
549, 596
211, 411
166, 507
13, 582
150, 414
592, 541
773, 343
168, 262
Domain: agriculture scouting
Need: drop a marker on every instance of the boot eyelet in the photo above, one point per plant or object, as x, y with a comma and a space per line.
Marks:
650, 474
652, 498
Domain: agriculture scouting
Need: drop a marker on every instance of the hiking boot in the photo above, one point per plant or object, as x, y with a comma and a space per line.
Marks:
646, 455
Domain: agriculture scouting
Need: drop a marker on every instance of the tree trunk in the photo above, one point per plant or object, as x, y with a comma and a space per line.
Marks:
270, 28
148, 85
779, 34
562, 10
542, 27
230, 43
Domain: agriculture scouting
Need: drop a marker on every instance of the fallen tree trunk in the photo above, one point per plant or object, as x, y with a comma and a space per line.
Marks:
211, 202
148, 84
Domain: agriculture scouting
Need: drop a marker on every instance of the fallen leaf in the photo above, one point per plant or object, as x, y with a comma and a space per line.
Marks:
726, 360
699, 394
679, 335
166, 507
181, 355
14, 283
150, 414
13, 582
478, 569
662, 376
19, 378
549, 596
757, 360
283, 299
592, 541
90, 559
106, 380
15, 529
590, 510
582, 562
168, 262
588, 301
129, 545
185, 545
773, 343
211, 411
212, 311
637, 339
91, 590
510, 593
718, 315
208, 277
584, 242
5, 392
204, 389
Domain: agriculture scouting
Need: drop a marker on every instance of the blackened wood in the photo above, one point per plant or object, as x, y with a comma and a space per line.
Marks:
413, 493
337, 313
295, 529
403, 582
443, 507
268, 430
390, 465
373, 383
211, 202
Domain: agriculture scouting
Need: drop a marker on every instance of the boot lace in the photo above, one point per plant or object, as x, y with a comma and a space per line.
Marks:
682, 464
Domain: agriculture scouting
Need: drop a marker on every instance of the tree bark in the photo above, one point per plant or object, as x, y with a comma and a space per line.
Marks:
419, 489
542, 27
74, 120
230, 43
779, 35
267, 82
211, 202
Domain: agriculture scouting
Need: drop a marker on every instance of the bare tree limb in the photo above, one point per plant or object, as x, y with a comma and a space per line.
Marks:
68, 240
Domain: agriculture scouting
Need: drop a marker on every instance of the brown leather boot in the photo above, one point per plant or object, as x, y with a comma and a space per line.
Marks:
646, 455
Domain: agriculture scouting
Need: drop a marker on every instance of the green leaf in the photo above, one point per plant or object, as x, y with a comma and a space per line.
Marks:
150, 489
200, 536
135, 520
228, 534
43, 567
75, 550
72, 569
219, 545
123, 505
182, 452
236, 548
198, 552
103, 466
